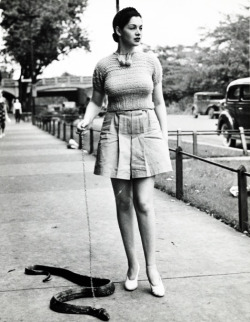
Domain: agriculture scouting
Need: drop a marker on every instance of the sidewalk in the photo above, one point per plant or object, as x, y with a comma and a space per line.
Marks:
205, 265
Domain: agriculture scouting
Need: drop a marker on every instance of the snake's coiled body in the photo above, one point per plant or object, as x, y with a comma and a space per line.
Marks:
101, 287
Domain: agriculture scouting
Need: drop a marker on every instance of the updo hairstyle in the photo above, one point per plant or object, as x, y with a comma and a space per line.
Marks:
122, 18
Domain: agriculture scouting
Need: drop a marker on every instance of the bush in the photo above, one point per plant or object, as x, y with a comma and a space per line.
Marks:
69, 115
47, 116
183, 106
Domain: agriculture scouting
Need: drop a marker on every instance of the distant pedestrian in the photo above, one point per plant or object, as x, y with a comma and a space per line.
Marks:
17, 110
3, 115
133, 144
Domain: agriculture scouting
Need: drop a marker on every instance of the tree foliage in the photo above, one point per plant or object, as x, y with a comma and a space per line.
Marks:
228, 56
221, 56
38, 31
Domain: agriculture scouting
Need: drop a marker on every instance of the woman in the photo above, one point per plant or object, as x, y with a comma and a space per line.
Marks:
133, 144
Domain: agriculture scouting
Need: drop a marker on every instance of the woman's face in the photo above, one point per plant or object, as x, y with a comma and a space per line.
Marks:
131, 34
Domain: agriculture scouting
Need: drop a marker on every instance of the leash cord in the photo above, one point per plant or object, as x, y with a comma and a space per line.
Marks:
88, 218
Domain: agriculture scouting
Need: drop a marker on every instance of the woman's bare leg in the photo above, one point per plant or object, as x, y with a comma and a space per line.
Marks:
143, 190
126, 219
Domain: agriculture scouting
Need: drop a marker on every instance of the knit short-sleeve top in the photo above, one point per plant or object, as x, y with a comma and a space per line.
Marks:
128, 87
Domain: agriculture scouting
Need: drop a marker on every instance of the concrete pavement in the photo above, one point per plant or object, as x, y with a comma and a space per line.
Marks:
205, 265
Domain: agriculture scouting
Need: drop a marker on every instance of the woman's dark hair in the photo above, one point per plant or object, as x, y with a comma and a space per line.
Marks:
122, 18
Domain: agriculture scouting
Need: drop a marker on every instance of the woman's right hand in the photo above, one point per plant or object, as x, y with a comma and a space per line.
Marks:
83, 126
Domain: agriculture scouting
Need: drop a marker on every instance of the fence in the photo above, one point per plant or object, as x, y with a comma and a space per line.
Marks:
239, 134
242, 184
65, 131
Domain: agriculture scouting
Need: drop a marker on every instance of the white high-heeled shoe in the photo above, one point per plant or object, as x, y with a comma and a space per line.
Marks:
158, 290
131, 285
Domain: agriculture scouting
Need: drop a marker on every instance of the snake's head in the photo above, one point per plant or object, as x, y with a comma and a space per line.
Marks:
101, 314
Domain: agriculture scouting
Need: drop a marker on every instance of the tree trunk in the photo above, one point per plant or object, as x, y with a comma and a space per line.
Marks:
23, 97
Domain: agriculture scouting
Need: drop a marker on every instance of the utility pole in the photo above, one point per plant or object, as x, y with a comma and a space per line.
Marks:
117, 5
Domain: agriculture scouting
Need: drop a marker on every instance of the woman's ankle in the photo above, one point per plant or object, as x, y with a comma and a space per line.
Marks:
133, 270
153, 274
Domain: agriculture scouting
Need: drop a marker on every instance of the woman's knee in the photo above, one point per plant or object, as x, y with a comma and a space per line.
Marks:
143, 206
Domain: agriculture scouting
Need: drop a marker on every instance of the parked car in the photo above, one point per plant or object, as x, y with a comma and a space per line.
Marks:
207, 103
237, 111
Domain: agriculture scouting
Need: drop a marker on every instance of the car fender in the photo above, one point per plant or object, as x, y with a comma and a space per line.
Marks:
225, 117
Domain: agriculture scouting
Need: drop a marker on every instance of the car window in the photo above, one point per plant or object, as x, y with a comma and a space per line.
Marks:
216, 97
202, 97
234, 93
246, 92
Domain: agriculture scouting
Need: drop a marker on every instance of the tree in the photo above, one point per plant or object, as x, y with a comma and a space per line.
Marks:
222, 55
37, 32
227, 56
181, 71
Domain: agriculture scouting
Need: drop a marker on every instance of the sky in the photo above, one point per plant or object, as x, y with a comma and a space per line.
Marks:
165, 22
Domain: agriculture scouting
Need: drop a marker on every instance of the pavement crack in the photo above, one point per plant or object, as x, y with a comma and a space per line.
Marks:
192, 276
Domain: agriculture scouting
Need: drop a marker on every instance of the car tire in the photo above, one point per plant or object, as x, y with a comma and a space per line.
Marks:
227, 138
211, 113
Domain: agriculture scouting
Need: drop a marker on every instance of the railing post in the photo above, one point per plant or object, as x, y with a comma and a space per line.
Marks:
64, 131
59, 129
91, 141
53, 129
179, 138
243, 140
242, 199
80, 141
71, 131
179, 173
195, 147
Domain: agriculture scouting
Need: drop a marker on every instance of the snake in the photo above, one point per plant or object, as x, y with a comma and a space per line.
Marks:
100, 287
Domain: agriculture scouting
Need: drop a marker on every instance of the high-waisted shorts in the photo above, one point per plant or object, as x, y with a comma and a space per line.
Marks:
131, 145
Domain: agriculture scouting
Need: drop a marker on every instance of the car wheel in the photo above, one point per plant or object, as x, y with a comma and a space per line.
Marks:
211, 112
227, 138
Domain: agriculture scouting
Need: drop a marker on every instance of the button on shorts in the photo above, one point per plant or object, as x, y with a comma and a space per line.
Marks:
131, 145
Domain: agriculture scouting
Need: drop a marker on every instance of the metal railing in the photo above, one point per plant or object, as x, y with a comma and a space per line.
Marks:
242, 184
236, 134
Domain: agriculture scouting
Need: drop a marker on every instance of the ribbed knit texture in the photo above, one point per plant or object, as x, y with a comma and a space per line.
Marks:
128, 87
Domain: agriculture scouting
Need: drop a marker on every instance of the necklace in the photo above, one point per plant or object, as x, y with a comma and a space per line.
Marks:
124, 59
